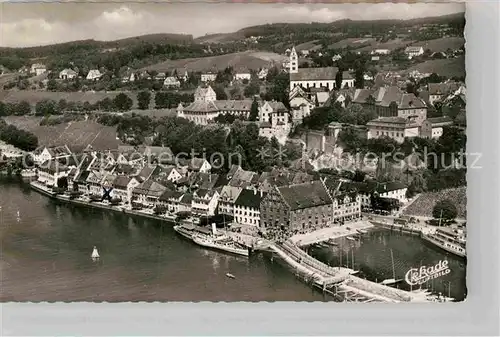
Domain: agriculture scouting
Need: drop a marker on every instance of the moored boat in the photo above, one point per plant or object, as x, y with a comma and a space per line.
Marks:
361, 231
448, 240
187, 230
220, 242
350, 238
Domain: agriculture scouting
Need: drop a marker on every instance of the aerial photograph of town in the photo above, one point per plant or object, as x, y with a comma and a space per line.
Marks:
232, 152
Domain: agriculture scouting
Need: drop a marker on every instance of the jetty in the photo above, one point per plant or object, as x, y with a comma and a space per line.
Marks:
341, 282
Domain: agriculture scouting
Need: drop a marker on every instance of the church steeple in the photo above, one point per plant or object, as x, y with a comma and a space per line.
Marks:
294, 62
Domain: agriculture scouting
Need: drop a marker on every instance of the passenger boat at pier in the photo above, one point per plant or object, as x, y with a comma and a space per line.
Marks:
220, 242
448, 240
187, 230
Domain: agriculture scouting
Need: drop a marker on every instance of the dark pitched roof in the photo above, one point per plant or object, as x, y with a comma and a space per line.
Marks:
150, 188
124, 168
121, 182
187, 198
314, 74
249, 198
157, 151
147, 171
306, 195
204, 180
82, 177
168, 194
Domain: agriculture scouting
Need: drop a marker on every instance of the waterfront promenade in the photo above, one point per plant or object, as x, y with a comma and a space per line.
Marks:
334, 232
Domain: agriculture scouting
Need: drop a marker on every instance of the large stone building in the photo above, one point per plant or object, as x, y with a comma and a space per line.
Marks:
306, 206
392, 102
206, 107
274, 121
315, 77
397, 128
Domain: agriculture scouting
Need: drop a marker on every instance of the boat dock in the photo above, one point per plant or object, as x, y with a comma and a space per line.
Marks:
399, 228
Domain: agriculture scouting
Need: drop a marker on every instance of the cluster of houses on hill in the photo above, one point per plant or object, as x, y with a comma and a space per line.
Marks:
144, 178
400, 114
171, 79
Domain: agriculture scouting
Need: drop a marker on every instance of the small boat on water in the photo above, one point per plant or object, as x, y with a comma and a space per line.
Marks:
350, 238
95, 254
361, 231
230, 275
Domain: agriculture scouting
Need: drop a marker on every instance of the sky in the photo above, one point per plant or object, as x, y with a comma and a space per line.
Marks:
33, 24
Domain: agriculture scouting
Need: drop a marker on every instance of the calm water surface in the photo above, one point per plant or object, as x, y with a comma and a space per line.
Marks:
46, 257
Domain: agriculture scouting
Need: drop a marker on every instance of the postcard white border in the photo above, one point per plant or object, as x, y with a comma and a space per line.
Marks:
478, 315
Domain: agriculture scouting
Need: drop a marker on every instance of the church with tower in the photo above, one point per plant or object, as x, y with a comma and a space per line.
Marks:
308, 78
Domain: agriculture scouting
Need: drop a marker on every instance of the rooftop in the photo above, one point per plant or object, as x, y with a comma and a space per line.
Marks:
305, 195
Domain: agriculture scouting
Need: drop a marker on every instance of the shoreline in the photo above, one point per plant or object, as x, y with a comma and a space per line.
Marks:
97, 204
344, 278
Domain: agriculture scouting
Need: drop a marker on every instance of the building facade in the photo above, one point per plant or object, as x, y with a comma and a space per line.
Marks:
315, 77
397, 128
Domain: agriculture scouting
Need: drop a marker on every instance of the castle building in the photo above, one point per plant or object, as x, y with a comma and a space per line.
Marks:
206, 107
315, 77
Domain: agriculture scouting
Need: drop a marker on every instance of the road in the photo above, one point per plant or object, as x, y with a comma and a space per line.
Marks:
390, 218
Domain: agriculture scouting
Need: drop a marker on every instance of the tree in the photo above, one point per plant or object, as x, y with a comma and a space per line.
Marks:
46, 107
23, 108
220, 93
338, 79
252, 89
52, 85
351, 139
143, 99
122, 102
445, 209
359, 176
254, 111
359, 81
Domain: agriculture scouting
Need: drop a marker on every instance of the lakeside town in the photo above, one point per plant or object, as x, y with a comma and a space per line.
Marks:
317, 144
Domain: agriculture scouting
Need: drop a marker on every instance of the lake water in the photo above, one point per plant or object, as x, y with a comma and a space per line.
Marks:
46, 257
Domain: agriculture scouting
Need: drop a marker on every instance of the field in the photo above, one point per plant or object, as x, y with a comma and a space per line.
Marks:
79, 133
32, 97
391, 45
442, 44
444, 67
437, 45
424, 204
220, 38
311, 45
244, 60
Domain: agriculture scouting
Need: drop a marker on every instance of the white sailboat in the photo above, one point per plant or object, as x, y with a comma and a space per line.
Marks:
393, 279
95, 254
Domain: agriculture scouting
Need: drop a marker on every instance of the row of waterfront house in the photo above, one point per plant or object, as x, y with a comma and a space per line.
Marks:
284, 199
